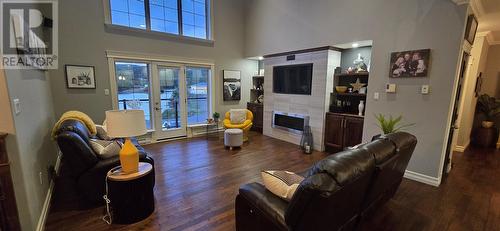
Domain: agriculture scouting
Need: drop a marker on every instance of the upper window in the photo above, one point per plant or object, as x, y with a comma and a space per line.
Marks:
181, 17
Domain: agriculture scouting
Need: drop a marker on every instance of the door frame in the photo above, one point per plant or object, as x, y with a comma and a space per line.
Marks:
159, 133
112, 56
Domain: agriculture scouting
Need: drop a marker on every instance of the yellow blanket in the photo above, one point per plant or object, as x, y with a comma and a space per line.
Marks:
75, 115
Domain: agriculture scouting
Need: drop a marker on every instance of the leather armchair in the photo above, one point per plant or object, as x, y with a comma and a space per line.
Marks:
82, 165
245, 126
337, 192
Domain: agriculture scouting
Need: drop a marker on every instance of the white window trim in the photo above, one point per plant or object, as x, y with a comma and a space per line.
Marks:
114, 56
210, 30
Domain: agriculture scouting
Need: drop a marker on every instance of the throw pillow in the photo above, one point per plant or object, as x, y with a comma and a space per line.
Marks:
102, 133
238, 116
281, 183
106, 148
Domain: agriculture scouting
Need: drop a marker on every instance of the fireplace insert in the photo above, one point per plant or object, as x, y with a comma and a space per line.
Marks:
290, 121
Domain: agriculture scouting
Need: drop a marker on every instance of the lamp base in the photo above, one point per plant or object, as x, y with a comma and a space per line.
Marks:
129, 157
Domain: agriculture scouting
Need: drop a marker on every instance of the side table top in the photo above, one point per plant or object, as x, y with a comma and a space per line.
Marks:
116, 174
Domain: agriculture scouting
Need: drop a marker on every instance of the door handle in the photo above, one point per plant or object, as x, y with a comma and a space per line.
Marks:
157, 108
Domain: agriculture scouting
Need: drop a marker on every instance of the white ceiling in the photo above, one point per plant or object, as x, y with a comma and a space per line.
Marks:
488, 16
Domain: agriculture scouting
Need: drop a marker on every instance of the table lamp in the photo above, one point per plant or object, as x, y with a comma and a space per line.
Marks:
126, 124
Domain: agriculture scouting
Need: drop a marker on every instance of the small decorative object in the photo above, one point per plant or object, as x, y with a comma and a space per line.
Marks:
470, 32
479, 84
340, 89
349, 89
232, 85
80, 77
359, 64
362, 90
306, 141
126, 124
361, 107
357, 85
490, 108
350, 70
410, 63
210, 121
260, 99
391, 125
216, 116
338, 70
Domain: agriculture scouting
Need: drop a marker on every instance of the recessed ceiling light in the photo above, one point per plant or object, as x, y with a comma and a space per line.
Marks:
261, 58
355, 45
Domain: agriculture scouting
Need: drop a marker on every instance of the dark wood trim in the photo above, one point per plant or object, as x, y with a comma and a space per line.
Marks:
304, 51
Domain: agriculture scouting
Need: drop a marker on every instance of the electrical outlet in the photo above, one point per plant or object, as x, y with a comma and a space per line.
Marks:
106, 91
425, 89
17, 106
40, 174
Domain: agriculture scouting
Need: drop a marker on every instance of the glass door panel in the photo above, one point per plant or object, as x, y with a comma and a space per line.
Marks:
133, 86
170, 101
197, 82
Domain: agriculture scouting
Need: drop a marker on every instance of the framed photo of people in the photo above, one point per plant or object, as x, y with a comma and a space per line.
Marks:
413, 63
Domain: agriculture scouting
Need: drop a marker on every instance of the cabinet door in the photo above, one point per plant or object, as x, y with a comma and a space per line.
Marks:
353, 131
258, 115
334, 132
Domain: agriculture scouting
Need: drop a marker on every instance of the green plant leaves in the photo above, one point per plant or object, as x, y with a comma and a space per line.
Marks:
391, 125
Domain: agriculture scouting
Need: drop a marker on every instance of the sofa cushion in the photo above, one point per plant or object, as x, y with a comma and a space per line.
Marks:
281, 183
265, 201
102, 133
106, 148
238, 116
344, 166
381, 149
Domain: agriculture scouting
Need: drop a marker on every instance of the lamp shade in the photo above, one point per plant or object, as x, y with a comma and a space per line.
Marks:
125, 123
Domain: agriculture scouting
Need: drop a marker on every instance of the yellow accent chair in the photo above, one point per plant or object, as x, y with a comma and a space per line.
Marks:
245, 126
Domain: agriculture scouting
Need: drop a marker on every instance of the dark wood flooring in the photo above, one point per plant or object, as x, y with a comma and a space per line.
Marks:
197, 181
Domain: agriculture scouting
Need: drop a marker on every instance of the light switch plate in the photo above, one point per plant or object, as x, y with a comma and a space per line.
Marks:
17, 106
390, 88
425, 89
376, 96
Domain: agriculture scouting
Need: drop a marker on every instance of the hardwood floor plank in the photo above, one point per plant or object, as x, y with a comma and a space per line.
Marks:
197, 181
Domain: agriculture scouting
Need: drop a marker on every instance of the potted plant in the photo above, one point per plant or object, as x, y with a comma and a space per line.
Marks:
490, 108
390, 124
216, 116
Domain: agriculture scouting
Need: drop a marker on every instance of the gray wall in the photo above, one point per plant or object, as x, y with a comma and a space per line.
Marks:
83, 40
491, 80
31, 150
349, 55
393, 25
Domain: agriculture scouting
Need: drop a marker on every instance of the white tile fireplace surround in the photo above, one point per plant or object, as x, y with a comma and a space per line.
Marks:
314, 106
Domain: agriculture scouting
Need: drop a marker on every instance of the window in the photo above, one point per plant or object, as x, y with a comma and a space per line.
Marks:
133, 88
197, 94
180, 17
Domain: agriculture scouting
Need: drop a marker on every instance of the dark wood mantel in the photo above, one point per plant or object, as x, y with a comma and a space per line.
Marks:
9, 218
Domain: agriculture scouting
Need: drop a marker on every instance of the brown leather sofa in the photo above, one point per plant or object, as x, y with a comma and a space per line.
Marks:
337, 193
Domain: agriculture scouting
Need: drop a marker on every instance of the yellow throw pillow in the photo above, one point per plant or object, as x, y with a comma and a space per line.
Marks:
281, 183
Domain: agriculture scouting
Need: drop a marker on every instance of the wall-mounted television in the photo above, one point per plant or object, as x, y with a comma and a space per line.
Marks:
293, 79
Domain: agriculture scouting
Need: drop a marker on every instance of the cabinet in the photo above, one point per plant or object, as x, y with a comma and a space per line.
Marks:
342, 130
9, 219
258, 115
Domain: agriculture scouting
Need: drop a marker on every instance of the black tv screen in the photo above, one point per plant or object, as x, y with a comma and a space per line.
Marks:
293, 79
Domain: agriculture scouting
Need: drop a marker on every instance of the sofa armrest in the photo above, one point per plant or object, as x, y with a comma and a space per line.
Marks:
269, 205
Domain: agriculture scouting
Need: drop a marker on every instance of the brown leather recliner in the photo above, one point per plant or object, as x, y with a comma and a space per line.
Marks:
337, 192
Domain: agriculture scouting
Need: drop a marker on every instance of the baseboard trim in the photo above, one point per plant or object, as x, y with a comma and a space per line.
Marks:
422, 178
48, 197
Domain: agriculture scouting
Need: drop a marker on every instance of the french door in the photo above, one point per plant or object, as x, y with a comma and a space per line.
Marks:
169, 107
172, 95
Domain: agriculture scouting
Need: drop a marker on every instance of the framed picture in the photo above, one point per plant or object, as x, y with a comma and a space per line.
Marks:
80, 77
470, 32
232, 85
479, 83
413, 63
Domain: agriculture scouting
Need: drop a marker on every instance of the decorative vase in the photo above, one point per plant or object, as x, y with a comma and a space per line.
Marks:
361, 107
306, 141
487, 124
